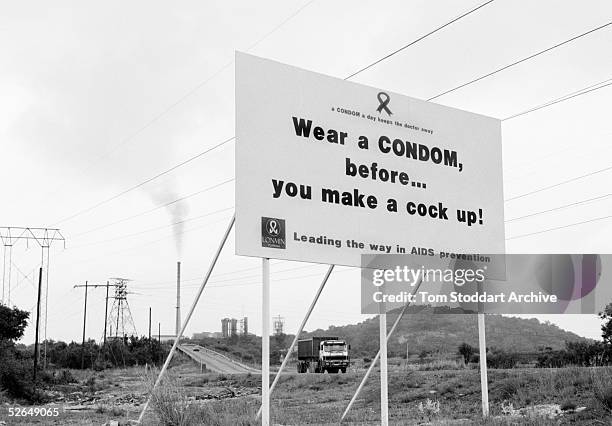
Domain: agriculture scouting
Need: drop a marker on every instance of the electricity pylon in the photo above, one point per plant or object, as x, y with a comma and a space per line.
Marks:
120, 321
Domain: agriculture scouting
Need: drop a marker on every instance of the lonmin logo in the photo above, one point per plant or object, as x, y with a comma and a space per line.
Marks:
273, 233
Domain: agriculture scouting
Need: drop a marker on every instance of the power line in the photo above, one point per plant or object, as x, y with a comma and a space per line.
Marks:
171, 286
581, 92
189, 93
233, 137
541, 52
558, 100
395, 52
559, 184
251, 283
216, 274
165, 172
559, 227
115, 252
562, 99
601, 197
554, 102
155, 229
193, 194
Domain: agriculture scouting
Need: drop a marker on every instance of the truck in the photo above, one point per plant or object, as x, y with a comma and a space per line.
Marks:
323, 354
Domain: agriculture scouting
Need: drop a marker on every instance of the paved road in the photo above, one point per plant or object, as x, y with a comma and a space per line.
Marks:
215, 361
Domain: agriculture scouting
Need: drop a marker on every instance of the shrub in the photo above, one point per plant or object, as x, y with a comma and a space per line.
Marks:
62, 377
602, 389
507, 388
501, 359
430, 408
466, 351
16, 375
172, 407
170, 404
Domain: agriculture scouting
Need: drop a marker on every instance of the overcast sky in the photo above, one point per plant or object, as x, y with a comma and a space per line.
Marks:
97, 97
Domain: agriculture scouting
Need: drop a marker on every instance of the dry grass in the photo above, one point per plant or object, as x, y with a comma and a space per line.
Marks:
438, 364
173, 407
602, 387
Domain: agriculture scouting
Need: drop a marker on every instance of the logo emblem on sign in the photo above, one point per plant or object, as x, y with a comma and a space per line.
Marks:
273, 233
383, 101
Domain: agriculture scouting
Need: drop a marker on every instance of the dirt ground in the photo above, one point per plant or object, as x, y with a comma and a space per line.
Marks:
519, 396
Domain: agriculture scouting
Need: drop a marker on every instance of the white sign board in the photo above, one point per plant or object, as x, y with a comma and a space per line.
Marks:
327, 170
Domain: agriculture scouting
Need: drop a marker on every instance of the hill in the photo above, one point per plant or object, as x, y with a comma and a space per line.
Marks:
425, 331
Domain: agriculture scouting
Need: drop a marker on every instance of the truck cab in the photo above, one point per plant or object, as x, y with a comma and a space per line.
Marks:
323, 354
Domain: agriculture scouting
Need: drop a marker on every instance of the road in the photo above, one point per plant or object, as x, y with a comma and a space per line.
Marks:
215, 361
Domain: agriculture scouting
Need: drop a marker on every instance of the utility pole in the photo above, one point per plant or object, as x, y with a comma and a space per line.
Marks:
159, 332
178, 298
149, 323
88, 286
36, 348
105, 313
84, 322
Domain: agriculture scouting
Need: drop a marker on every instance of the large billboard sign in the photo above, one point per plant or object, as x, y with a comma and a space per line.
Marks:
328, 170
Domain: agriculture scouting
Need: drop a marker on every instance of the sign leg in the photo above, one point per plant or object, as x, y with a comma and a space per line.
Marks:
193, 306
299, 331
375, 360
265, 344
384, 397
482, 344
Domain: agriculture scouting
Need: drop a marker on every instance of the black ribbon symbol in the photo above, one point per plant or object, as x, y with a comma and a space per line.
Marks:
384, 99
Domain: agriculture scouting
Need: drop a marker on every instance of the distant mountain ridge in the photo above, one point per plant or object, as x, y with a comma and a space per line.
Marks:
424, 330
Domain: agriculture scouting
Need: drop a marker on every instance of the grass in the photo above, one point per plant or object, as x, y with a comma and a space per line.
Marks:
172, 406
602, 384
439, 364
454, 397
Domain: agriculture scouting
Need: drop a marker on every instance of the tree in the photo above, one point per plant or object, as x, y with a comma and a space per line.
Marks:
14, 367
13, 322
466, 351
606, 327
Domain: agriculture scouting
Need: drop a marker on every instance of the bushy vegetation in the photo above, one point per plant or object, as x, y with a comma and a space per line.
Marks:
585, 354
16, 366
17, 361
116, 353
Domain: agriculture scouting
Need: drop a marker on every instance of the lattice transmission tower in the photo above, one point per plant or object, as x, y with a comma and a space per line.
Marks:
120, 322
278, 325
11, 235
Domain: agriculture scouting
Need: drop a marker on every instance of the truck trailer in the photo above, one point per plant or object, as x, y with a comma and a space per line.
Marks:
323, 354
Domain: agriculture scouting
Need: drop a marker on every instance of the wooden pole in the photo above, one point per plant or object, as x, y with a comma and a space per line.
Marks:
36, 348
149, 323
84, 323
106, 313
